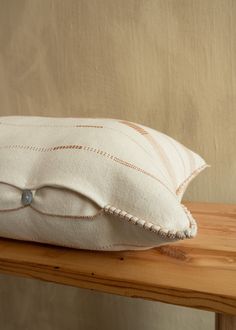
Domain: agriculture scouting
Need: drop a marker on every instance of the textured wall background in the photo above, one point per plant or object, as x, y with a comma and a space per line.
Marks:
168, 64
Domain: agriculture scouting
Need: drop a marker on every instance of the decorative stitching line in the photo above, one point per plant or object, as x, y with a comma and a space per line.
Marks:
136, 127
69, 126
120, 161
184, 184
133, 140
157, 148
90, 149
83, 126
89, 126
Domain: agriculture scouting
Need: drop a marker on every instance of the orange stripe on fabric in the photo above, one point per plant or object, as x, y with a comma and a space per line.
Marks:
157, 148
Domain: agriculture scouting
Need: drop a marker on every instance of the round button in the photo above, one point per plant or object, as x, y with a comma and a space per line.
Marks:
27, 197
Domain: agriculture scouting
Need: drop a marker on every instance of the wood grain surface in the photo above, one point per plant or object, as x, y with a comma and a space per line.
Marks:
225, 322
199, 273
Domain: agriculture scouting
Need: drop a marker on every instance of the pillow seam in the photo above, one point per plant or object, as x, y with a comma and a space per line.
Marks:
182, 187
164, 233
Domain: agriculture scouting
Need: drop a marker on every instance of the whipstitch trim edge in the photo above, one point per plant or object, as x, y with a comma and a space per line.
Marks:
165, 233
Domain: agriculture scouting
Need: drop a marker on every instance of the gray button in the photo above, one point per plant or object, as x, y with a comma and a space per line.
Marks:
27, 197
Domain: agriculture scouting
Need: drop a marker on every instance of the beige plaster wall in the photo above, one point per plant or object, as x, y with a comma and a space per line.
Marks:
167, 64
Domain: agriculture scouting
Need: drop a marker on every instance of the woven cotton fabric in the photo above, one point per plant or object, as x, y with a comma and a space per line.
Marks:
99, 184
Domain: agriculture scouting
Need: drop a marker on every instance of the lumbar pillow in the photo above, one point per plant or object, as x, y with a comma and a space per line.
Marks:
99, 184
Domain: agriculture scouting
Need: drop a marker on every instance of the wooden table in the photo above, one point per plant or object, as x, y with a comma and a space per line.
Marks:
198, 273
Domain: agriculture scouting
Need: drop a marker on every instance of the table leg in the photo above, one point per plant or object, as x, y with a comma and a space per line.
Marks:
225, 322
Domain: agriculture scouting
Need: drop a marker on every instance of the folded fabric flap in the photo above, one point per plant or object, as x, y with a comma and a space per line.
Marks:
64, 202
60, 191
50, 200
10, 197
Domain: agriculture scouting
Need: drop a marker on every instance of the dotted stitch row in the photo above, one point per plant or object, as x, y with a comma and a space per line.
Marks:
65, 126
163, 232
134, 126
95, 150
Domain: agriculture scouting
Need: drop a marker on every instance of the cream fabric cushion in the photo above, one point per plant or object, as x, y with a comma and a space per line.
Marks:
99, 184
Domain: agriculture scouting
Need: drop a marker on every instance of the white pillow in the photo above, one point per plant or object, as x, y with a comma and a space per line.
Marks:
93, 183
